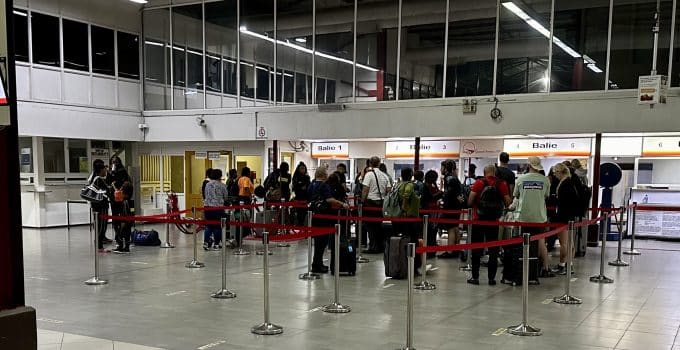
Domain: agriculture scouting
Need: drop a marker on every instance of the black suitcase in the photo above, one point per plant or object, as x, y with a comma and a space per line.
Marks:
512, 263
580, 241
593, 235
348, 259
396, 262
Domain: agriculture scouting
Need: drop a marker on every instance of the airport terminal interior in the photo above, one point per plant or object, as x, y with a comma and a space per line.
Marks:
139, 116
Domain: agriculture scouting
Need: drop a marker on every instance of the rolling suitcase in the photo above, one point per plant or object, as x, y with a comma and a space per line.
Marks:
580, 245
593, 235
512, 263
348, 254
396, 263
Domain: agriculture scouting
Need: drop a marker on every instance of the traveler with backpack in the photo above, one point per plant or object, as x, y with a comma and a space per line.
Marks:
205, 181
216, 195
375, 187
232, 187
488, 197
453, 199
532, 189
409, 206
418, 178
117, 177
321, 201
568, 208
124, 233
98, 180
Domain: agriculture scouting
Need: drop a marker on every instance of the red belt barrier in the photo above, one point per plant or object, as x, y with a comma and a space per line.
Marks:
442, 211
549, 233
365, 218
657, 208
494, 223
455, 247
321, 231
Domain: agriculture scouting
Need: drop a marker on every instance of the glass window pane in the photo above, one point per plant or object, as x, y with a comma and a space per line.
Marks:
675, 74
523, 47
21, 35
128, 55
320, 90
26, 154
294, 20
220, 39
377, 51
157, 59
422, 59
53, 152
75, 45
335, 45
580, 45
471, 51
257, 44
103, 59
77, 156
633, 41
188, 56
247, 83
301, 87
45, 32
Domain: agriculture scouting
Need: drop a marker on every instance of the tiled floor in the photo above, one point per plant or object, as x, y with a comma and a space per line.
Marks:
52, 340
152, 299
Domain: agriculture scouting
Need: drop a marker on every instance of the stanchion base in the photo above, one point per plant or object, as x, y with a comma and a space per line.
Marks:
167, 245
618, 262
266, 329
309, 276
425, 285
465, 268
336, 308
261, 252
241, 252
567, 300
632, 252
194, 264
94, 281
407, 348
362, 260
601, 279
283, 245
223, 294
524, 330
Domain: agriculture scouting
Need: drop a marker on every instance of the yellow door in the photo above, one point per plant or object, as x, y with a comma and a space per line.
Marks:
194, 170
289, 157
255, 165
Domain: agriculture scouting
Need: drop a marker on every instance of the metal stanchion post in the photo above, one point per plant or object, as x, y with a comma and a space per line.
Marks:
194, 263
239, 230
424, 284
309, 275
224, 293
282, 215
411, 253
601, 278
524, 329
360, 232
619, 227
264, 221
631, 218
96, 281
335, 307
266, 328
167, 243
91, 224
567, 298
468, 240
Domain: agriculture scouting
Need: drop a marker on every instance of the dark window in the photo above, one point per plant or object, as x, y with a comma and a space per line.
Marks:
262, 74
179, 66
128, 55
75, 45
320, 90
288, 86
45, 30
229, 76
195, 71
102, 51
21, 35
213, 73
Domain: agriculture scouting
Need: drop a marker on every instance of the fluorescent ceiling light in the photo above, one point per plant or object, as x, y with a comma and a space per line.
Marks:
154, 43
24, 14
245, 30
301, 40
512, 7
139, 1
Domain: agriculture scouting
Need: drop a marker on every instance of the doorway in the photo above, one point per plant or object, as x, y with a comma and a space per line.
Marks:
255, 165
195, 174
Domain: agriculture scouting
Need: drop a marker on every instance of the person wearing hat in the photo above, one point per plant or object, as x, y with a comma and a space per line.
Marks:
532, 189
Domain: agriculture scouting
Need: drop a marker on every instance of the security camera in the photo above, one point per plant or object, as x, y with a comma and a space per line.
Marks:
201, 122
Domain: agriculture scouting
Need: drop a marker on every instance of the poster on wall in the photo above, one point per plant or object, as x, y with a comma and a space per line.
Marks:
661, 147
428, 149
548, 147
100, 153
662, 224
330, 150
481, 148
652, 89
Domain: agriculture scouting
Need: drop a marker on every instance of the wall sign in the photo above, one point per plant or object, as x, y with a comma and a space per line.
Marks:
548, 147
428, 149
214, 155
330, 150
652, 89
481, 148
664, 224
261, 133
201, 155
661, 147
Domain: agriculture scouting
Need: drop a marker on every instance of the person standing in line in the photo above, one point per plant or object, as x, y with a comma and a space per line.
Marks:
284, 180
232, 187
205, 181
418, 178
488, 198
532, 189
471, 176
245, 187
376, 185
453, 199
123, 235
568, 209
116, 178
301, 183
503, 171
98, 180
216, 195
383, 168
341, 170
430, 200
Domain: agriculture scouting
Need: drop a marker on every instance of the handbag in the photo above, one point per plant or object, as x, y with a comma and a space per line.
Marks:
93, 194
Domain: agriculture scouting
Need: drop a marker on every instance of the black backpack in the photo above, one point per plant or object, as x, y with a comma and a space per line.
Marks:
584, 192
490, 202
232, 190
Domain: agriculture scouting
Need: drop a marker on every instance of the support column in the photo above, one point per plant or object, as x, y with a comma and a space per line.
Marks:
596, 173
416, 158
17, 322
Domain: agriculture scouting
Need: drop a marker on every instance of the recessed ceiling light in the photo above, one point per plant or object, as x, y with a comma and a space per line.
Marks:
301, 40
139, 1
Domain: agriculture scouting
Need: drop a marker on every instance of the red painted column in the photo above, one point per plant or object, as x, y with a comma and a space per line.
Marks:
416, 160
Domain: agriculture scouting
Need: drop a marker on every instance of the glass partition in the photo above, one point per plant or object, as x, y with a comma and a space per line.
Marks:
294, 61
187, 36
257, 50
335, 50
157, 59
220, 37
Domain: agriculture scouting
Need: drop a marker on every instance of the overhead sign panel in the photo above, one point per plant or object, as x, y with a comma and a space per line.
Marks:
661, 147
428, 149
548, 147
481, 148
330, 150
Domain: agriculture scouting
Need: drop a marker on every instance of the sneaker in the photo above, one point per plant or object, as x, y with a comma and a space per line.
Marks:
546, 273
508, 282
534, 282
206, 246
492, 282
473, 281
121, 251
217, 247
560, 270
